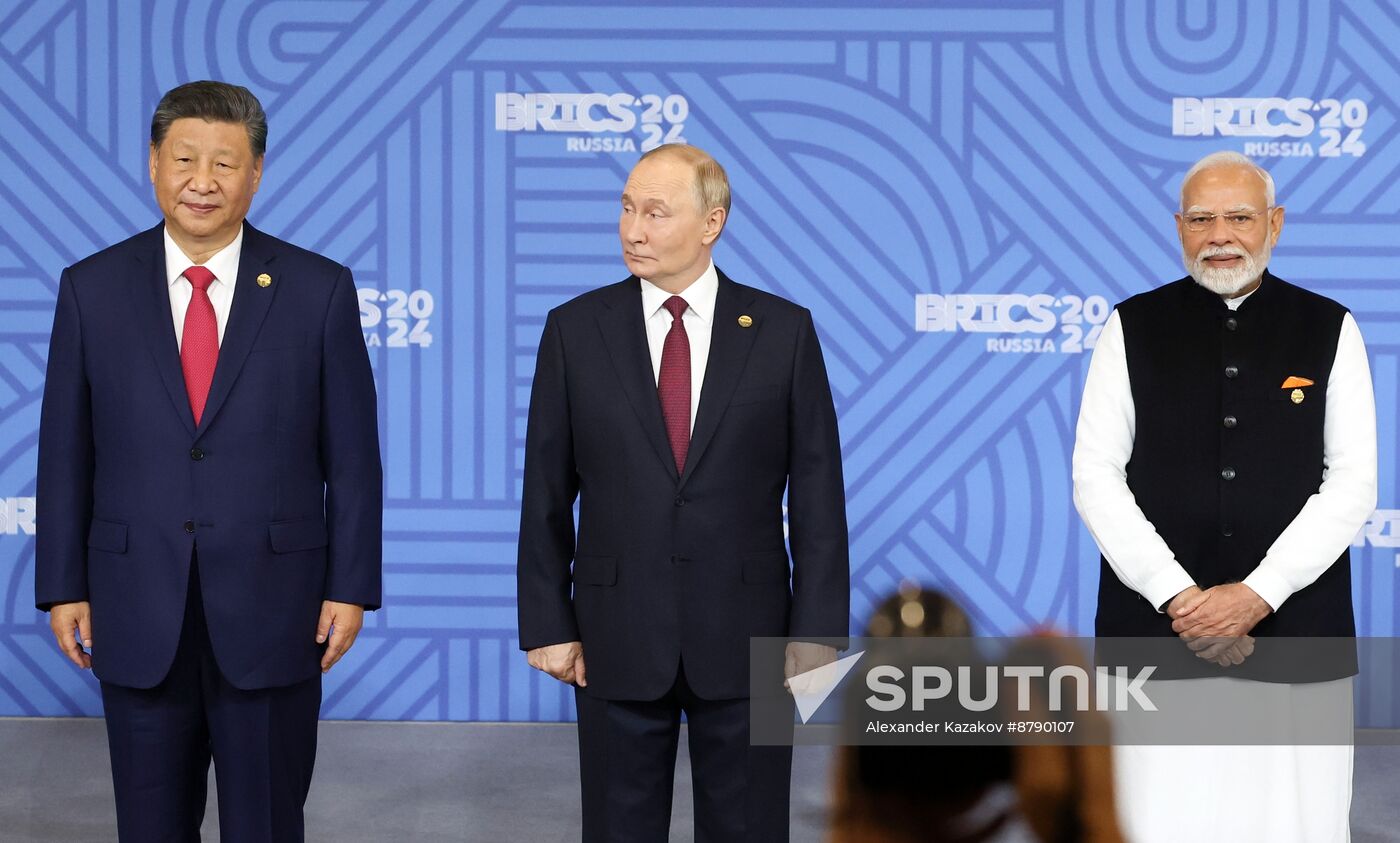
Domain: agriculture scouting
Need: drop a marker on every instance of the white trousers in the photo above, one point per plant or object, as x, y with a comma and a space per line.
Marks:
1242, 794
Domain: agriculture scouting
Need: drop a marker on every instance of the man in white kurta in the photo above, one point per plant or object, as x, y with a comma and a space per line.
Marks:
1228, 225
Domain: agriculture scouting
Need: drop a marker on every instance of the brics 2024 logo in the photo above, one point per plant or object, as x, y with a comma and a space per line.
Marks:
395, 318
1337, 124
1037, 324
599, 122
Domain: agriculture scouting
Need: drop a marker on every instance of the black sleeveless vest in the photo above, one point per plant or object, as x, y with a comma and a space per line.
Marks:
1225, 455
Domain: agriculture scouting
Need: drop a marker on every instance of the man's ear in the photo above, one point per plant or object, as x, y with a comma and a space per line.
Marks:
1275, 225
714, 224
154, 152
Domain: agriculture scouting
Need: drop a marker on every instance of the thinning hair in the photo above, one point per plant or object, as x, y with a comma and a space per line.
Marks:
1229, 158
214, 102
711, 183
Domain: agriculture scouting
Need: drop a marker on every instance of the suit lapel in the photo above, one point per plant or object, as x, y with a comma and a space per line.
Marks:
624, 334
152, 305
250, 305
729, 353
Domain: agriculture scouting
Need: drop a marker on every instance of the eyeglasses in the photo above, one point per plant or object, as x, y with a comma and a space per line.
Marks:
1237, 220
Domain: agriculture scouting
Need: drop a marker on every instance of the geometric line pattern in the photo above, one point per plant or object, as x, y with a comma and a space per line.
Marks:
876, 155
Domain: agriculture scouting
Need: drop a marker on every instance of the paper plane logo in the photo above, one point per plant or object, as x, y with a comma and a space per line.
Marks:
810, 689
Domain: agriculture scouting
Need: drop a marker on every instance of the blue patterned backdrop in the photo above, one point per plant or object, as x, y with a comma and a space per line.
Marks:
958, 192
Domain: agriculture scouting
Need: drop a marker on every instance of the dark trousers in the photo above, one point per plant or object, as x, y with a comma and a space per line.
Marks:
627, 762
262, 742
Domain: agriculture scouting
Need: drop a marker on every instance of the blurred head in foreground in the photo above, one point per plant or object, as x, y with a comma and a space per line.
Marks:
969, 793
893, 794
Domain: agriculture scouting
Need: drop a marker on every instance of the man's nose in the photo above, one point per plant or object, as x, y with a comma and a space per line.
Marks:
1220, 233
203, 179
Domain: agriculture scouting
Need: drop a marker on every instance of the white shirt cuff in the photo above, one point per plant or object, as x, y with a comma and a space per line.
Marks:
1273, 588
1166, 584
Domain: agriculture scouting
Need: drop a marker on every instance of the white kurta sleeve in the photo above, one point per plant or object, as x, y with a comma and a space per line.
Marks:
1103, 444
1331, 517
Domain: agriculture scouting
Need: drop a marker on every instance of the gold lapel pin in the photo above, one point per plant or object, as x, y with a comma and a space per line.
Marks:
264, 280
745, 321
1296, 396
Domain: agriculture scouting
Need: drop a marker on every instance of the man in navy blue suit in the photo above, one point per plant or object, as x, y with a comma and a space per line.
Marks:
210, 477
677, 407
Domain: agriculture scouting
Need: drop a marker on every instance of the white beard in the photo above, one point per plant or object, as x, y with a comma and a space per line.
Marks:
1225, 281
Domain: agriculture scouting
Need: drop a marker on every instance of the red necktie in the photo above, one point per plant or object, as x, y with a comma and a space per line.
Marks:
673, 385
199, 344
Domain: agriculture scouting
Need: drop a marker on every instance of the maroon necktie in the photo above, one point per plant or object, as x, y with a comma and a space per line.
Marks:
199, 343
674, 383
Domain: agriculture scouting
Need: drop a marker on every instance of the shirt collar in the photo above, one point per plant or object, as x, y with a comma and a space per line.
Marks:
699, 296
223, 263
1234, 303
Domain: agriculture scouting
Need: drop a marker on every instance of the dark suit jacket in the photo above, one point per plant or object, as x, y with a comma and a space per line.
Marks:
279, 485
675, 567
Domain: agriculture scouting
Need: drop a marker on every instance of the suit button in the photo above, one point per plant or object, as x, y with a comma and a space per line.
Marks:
196, 454
1231, 324
1227, 473
1230, 421
1227, 531
680, 501
189, 526
1232, 371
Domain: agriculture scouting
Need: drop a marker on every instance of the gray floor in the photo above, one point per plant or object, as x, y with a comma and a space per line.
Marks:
480, 783
400, 782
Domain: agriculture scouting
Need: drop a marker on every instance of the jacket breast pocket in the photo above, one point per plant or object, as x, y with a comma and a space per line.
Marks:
595, 570
757, 394
765, 566
292, 536
279, 341
109, 536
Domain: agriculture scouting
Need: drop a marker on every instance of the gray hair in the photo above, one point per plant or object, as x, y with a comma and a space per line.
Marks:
1229, 158
215, 102
711, 182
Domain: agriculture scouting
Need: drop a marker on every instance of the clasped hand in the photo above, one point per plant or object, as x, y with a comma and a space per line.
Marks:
1215, 622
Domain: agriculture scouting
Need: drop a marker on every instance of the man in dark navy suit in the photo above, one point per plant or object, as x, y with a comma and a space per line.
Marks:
209, 472
677, 407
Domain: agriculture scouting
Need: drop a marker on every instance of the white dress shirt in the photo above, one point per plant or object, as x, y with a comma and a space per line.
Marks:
1322, 529
224, 265
698, 320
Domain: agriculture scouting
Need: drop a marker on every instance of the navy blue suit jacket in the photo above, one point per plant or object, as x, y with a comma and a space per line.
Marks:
680, 565
279, 485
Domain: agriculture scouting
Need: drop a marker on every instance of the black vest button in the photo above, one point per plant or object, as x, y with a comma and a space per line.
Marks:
196, 454
189, 526
1227, 473
1230, 421
1232, 371
1231, 324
